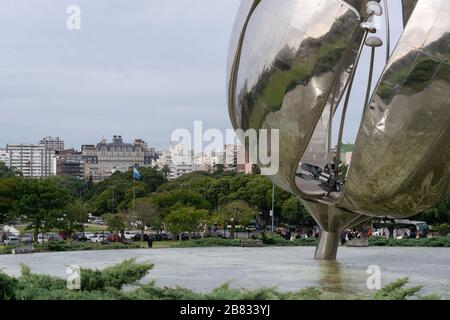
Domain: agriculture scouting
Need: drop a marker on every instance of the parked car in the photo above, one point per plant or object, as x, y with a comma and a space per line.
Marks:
42, 238
138, 237
113, 237
27, 238
81, 237
185, 236
89, 235
98, 221
100, 237
54, 237
163, 236
11, 240
129, 235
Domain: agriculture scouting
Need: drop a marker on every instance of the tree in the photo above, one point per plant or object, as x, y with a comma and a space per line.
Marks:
438, 214
77, 188
74, 217
235, 213
443, 229
7, 195
170, 200
6, 172
116, 192
40, 204
146, 212
117, 222
165, 171
185, 219
219, 168
293, 211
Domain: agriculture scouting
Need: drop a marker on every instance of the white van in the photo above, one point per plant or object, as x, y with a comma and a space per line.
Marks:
11, 240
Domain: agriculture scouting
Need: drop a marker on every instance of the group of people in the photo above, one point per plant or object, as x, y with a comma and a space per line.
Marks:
348, 235
299, 234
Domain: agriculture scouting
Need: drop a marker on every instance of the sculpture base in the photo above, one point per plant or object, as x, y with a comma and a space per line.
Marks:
328, 246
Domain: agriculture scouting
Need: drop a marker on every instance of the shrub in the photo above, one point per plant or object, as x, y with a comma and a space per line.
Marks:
266, 239
58, 246
128, 272
7, 287
396, 291
209, 242
443, 229
425, 242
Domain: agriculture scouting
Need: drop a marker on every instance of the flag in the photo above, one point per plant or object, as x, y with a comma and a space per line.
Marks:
136, 174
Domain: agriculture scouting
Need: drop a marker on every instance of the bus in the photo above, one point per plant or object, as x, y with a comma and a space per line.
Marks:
401, 228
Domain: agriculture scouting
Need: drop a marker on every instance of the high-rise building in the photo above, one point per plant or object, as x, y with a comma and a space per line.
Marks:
202, 162
103, 159
179, 158
34, 161
53, 143
70, 163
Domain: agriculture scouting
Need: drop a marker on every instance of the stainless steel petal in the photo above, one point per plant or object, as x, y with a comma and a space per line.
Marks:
408, 8
289, 56
401, 161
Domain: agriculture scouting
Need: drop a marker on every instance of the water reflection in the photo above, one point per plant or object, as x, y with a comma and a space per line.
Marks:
335, 277
331, 276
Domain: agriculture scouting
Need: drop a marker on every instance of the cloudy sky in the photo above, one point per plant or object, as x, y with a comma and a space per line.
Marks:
139, 68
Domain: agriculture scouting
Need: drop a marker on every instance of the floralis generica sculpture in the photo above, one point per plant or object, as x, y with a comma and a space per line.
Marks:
293, 62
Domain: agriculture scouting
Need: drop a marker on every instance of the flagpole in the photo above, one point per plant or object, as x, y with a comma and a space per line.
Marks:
134, 188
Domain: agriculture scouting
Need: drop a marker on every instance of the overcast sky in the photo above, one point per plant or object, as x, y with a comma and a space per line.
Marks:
139, 68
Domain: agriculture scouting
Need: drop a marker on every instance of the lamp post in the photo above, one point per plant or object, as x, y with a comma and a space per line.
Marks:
372, 42
273, 206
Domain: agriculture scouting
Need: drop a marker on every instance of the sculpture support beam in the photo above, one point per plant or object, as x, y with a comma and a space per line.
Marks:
328, 246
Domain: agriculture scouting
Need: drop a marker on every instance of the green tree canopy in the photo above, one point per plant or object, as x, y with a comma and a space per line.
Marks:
117, 222
146, 213
8, 194
74, 216
117, 192
6, 172
40, 203
236, 213
186, 219
294, 212
167, 201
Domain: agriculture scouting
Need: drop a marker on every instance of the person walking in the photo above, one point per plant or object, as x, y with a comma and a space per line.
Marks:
150, 241
343, 240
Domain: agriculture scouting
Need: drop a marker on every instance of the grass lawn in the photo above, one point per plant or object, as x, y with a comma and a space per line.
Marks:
94, 228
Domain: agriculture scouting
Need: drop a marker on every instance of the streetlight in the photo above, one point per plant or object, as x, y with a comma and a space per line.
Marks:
272, 212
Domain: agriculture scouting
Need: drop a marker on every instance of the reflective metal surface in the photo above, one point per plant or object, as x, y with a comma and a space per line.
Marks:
401, 160
290, 55
408, 7
290, 64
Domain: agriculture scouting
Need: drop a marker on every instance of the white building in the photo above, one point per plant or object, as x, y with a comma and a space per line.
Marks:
53, 143
202, 162
34, 161
103, 159
179, 158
